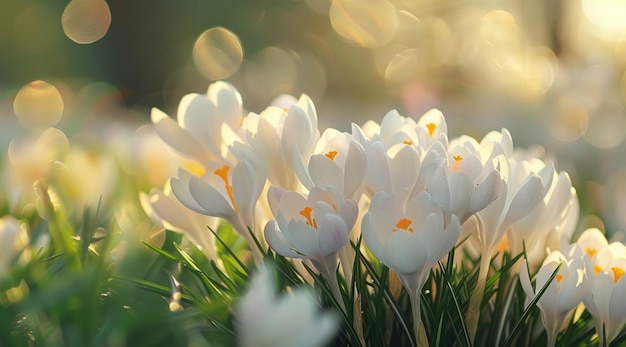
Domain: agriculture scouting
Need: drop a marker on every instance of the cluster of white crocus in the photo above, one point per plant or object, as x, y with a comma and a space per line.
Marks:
406, 185
590, 272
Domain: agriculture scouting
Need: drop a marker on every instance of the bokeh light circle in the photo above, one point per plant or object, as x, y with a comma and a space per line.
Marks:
86, 21
217, 53
368, 23
570, 120
607, 126
38, 105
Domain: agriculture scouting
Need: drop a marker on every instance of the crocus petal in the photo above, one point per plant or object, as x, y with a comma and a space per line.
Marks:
524, 200
178, 138
325, 172
210, 199
278, 242
404, 253
333, 234
354, 169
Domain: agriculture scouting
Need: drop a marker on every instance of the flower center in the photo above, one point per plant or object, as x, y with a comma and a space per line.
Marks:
223, 174
306, 212
559, 277
457, 163
331, 155
404, 224
407, 142
431, 128
590, 251
617, 272
597, 269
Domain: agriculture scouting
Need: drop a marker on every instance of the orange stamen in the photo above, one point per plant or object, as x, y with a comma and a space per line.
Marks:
223, 174
617, 272
405, 224
306, 212
407, 142
331, 155
597, 269
559, 277
590, 251
431, 128
457, 158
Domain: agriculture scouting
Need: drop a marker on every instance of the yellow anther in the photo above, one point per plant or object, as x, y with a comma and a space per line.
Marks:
331, 155
617, 272
306, 212
457, 158
597, 269
407, 142
223, 174
431, 128
405, 224
590, 251
559, 277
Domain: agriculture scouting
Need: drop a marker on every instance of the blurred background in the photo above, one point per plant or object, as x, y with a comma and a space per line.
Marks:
552, 72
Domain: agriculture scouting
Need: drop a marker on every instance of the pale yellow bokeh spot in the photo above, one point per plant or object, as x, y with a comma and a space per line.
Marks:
217, 53
38, 105
86, 21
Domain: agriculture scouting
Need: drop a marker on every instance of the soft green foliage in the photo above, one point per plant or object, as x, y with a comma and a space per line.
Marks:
75, 293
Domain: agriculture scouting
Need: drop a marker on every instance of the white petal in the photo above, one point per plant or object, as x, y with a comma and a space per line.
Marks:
525, 200
178, 138
180, 188
210, 199
355, 169
333, 234
486, 192
404, 253
228, 101
325, 172
278, 242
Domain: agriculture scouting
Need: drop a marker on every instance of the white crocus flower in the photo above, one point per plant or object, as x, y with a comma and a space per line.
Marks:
409, 240
264, 319
198, 132
315, 228
563, 294
548, 222
338, 160
278, 133
432, 128
592, 241
606, 300
227, 192
163, 208
394, 170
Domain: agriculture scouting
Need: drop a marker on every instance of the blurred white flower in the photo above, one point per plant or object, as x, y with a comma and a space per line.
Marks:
264, 319
563, 294
29, 160
13, 242
163, 208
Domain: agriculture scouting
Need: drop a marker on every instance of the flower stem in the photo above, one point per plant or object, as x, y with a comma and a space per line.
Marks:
473, 312
420, 333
